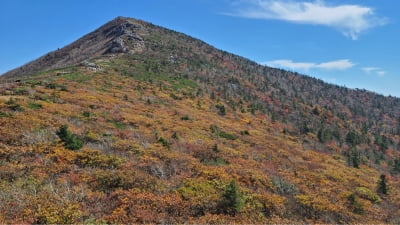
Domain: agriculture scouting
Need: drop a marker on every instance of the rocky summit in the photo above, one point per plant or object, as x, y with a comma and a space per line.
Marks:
108, 39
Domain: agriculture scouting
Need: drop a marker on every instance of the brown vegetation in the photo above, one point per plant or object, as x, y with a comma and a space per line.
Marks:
181, 132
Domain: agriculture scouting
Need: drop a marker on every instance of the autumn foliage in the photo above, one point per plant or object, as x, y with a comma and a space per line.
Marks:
184, 133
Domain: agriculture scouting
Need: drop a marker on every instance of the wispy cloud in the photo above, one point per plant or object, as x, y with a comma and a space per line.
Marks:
370, 69
341, 64
285, 63
336, 65
381, 73
350, 20
374, 70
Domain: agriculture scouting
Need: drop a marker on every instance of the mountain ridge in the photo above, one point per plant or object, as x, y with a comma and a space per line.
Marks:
112, 32
105, 39
164, 128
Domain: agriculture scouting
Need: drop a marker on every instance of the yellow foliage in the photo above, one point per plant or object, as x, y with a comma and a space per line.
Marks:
366, 193
54, 214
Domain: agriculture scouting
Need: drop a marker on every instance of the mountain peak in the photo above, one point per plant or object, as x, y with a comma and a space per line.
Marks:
148, 125
120, 35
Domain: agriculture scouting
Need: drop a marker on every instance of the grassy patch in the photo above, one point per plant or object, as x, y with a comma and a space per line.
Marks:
182, 83
216, 162
54, 71
164, 142
152, 70
20, 91
80, 78
216, 130
33, 105
118, 125
225, 135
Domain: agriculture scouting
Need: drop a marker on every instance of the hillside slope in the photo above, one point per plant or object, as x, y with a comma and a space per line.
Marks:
107, 39
134, 123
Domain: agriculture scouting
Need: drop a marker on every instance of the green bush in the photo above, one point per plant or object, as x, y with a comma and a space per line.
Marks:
51, 86
186, 117
244, 132
20, 91
118, 124
225, 135
86, 114
3, 114
395, 168
164, 142
216, 130
356, 205
366, 193
175, 136
33, 105
13, 105
233, 200
71, 141
221, 108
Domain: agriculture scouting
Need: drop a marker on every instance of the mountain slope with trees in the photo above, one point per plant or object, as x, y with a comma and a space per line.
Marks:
134, 123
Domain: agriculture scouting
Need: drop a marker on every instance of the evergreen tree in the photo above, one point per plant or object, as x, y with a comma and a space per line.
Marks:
324, 135
356, 205
63, 132
222, 110
212, 95
354, 158
396, 166
382, 141
71, 141
383, 187
232, 199
353, 138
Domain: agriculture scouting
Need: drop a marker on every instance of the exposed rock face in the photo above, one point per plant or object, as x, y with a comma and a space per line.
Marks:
126, 32
91, 66
117, 46
121, 35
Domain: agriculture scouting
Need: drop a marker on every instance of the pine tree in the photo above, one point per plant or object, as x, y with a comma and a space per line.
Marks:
355, 158
324, 135
383, 187
63, 132
396, 166
353, 138
232, 199
71, 141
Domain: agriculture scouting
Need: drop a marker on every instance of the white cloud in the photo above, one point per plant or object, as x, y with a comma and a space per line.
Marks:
350, 20
381, 73
370, 69
376, 70
342, 64
290, 64
336, 65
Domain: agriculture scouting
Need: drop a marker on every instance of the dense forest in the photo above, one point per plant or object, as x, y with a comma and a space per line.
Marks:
134, 123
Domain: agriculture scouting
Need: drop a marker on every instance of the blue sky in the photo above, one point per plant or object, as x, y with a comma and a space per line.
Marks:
347, 42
